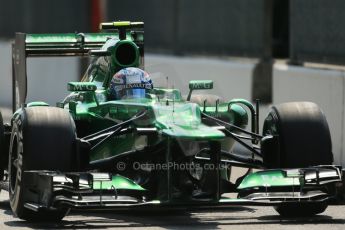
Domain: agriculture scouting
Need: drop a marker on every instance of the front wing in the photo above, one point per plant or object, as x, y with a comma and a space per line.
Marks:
50, 190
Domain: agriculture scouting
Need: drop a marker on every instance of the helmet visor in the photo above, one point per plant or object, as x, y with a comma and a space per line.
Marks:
134, 93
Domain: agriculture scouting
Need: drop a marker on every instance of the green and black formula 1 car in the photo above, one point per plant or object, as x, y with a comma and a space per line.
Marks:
118, 142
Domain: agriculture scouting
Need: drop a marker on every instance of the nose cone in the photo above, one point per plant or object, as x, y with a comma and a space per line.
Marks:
183, 120
200, 132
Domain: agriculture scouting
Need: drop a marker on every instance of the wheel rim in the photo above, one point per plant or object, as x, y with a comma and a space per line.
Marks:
270, 125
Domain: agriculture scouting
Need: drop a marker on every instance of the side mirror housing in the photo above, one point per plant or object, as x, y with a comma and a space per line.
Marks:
198, 85
81, 86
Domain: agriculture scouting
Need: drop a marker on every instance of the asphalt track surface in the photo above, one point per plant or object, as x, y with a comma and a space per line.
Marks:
234, 218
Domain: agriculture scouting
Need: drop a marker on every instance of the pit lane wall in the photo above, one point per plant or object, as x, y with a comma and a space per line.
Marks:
47, 77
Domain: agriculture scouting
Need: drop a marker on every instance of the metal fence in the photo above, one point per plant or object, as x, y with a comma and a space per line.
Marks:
42, 16
317, 31
308, 30
176, 26
198, 26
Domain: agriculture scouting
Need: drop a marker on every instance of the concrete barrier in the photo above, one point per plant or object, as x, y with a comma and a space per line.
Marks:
232, 79
322, 86
47, 77
5, 74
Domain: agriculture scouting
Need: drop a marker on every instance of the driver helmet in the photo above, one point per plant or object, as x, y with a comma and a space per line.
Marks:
130, 83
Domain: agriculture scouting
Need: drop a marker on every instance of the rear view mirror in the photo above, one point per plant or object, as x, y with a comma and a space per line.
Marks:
81, 86
201, 84
198, 85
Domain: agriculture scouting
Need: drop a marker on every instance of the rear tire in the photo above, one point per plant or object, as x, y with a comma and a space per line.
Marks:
304, 140
43, 138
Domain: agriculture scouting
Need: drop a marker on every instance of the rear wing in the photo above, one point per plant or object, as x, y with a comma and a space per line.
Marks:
55, 45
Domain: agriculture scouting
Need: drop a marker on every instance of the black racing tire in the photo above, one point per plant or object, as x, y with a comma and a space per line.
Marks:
2, 148
304, 140
211, 99
303, 135
43, 138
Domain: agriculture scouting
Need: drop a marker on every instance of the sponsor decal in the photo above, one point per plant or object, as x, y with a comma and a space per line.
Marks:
133, 86
132, 79
202, 86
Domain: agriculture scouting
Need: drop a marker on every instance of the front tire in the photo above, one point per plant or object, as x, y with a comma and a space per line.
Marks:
2, 148
43, 138
303, 140
303, 135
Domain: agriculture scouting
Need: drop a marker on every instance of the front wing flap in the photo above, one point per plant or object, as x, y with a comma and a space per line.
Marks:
49, 190
293, 184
